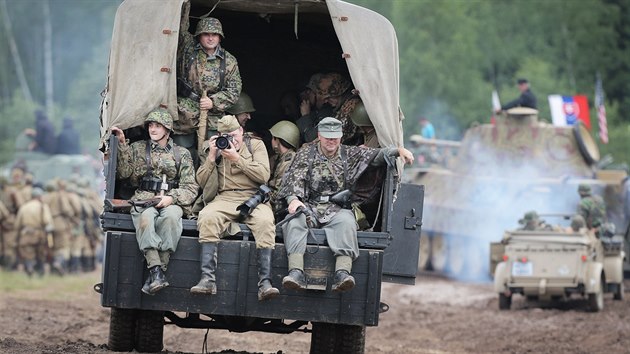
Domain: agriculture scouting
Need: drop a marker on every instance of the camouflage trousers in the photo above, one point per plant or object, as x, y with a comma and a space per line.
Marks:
158, 229
341, 234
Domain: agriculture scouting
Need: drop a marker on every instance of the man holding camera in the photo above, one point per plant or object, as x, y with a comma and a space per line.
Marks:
319, 172
239, 165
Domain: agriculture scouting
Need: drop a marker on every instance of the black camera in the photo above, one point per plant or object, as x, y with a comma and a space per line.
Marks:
223, 141
261, 196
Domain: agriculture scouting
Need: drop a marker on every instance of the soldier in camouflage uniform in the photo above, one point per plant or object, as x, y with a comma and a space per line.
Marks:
284, 142
238, 170
532, 222
203, 66
361, 119
591, 207
318, 172
320, 85
158, 168
34, 222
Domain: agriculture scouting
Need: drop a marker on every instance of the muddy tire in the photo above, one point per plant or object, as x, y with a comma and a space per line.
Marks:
122, 329
323, 338
149, 331
587, 146
596, 300
619, 293
350, 339
505, 302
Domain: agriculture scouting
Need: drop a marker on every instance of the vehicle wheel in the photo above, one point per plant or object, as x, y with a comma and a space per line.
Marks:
587, 146
439, 253
425, 252
122, 328
620, 293
323, 338
505, 302
596, 300
150, 331
350, 339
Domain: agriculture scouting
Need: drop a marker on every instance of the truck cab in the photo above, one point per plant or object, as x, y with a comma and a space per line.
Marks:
274, 43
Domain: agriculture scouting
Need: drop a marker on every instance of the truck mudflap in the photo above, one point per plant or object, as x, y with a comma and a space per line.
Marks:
124, 272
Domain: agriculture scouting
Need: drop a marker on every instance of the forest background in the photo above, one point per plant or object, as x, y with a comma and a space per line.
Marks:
453, 54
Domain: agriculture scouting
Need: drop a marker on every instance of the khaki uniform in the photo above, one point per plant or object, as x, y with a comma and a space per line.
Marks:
63, 214
13, 200
33, 221
6, 218
237, 182
279, 165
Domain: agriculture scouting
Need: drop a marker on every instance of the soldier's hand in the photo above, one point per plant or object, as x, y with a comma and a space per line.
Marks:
230, 153
406, 155
119, 134
165, 201
305, 107
205, 103
294, 205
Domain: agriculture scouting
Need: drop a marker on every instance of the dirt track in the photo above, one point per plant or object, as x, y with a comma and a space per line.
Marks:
435, 316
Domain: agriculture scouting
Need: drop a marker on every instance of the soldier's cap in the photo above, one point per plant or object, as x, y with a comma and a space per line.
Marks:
330, 128
228, 124
584, 188
522, 81
522, 111
37, 192
529, 216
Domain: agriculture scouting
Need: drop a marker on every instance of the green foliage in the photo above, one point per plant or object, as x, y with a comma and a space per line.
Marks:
15, 115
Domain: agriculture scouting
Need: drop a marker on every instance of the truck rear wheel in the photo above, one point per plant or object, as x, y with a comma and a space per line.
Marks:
149, 331
505, 302
122, 327
619, 293
596, 300
330, 338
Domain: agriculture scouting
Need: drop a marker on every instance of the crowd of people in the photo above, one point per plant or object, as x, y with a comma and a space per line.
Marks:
43, 138
205, 165
52, 228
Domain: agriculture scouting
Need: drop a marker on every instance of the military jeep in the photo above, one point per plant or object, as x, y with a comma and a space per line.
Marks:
558, 264
275, 43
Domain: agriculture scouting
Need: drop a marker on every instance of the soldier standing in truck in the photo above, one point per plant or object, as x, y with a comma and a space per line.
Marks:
208, 80
592, 207
157, 167
318, 172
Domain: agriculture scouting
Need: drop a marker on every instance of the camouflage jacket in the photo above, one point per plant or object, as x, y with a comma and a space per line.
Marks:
327, 176
202, 72
279, 166
593, 209
132, 164
351, 133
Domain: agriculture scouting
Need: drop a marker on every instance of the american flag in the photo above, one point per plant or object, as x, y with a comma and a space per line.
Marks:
601, 110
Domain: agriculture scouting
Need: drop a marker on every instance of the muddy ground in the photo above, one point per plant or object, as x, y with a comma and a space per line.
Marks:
435, 316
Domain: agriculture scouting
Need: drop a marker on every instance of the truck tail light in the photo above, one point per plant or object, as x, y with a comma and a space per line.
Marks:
524, 259
584, 258
505, 258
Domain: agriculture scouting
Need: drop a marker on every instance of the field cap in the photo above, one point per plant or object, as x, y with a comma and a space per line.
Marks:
330, 128
228, 124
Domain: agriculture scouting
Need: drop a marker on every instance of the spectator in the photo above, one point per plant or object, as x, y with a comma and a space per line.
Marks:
426, 129
526, 99
68, 139
44, 134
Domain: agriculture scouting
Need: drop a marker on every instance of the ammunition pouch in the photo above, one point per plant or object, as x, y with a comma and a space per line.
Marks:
154, 184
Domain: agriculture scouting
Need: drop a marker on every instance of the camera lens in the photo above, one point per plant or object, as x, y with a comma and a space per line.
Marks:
222, 142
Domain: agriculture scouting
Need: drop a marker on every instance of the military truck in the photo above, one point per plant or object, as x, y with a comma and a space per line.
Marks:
275, 43
558, 264
496, 173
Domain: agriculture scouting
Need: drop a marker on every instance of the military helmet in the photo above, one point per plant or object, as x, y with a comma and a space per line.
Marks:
160, 115
37, 192
577, 222
584, 189
243, 105
360, 117
529, 217
333, 85
51, 185
286, 131
209, 25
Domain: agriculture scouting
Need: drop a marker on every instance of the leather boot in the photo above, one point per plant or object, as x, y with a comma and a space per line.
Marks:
343, 281
29, 267
265, 290
295, 280
158, 280
74, 264
146, 287
208, 259
57, 265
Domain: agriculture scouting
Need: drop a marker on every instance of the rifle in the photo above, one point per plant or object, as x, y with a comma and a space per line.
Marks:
120, 204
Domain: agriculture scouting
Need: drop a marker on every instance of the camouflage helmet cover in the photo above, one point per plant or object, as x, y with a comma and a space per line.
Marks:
529, 217
243, 105
584, 189
332, 85
160, 115
360, 116
577, 222
286, 131
209, 25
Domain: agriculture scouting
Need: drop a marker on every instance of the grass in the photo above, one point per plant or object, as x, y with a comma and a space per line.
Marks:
49, 286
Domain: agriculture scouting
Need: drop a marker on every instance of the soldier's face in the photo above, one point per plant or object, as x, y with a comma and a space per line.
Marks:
243, 118
209, 41
329, 145
157, 131
237, 138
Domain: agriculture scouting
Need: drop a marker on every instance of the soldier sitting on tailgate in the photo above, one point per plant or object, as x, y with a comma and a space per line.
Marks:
157, 168
532, 222
320, 171
285, 137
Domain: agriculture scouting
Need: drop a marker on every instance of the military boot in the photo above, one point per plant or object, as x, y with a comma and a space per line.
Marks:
29, 267
295, 280
208, 259
74, 264
343, 280
158, 280
265, 290
57, 265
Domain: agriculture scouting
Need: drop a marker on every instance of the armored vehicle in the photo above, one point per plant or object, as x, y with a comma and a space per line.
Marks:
275, 42
558, 264
480, 186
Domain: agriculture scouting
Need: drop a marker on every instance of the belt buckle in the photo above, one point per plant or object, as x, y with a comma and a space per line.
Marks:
324, 199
